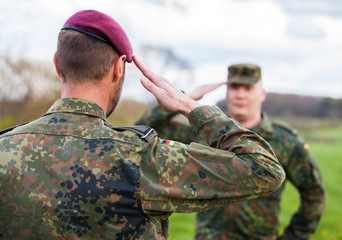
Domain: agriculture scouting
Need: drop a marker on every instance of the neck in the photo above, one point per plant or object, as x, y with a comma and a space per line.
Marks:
250, 122
92, 92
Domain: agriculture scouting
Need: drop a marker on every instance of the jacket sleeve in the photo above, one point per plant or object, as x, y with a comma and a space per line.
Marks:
236, 165
162, 122
302, 170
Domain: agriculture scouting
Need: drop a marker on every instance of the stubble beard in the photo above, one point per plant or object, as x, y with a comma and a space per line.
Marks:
115, 99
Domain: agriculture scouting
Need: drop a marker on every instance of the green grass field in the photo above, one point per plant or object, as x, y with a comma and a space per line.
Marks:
326, 147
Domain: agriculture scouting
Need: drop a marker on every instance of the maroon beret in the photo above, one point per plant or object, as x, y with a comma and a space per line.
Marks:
102, 27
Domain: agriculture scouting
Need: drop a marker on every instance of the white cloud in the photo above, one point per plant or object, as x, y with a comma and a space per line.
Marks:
220, 23
332, 27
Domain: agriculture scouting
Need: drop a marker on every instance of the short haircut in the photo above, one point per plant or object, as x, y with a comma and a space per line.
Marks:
82, 58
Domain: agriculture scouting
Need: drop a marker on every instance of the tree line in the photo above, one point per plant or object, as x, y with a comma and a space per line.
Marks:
29, 88
292, 105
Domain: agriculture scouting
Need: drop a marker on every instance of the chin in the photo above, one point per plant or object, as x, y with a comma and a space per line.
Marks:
237, 111
238, 115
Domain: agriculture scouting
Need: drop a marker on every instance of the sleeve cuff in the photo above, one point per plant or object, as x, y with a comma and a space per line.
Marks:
200, 115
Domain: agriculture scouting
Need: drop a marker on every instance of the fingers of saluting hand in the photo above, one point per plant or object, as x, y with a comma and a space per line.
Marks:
157, 85
167, 95
211, 87
151, 76
200, 91
143, 68
151, 87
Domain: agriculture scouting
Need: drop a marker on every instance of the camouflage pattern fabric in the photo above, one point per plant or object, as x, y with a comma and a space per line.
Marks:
243, 74
258, 218
69, 175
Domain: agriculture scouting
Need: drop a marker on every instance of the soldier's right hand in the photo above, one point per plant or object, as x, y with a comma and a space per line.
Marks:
167, 95
200, 91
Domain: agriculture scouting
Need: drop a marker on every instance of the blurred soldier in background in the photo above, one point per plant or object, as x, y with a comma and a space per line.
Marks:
71, 175
257, 218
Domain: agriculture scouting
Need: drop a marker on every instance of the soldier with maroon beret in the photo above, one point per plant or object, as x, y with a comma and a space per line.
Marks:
72, 175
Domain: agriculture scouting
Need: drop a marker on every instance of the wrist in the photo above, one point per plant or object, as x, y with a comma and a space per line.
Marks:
189, 107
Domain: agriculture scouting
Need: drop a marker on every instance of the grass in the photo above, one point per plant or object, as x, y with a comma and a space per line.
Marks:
325, 146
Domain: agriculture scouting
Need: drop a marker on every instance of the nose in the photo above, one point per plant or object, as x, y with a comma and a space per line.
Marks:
240, 92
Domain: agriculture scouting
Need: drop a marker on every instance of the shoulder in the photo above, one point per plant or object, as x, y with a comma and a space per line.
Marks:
289, 135
285, 129
144, 132
6, 130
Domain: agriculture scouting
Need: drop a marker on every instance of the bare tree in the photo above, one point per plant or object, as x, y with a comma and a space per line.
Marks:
27, 89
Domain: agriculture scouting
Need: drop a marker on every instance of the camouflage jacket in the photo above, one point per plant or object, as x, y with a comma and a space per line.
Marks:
258, 218
71, 175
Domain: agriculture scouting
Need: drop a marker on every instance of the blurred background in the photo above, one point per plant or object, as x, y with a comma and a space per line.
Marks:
298, 45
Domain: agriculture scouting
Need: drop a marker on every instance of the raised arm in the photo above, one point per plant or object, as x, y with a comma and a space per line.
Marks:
236, 164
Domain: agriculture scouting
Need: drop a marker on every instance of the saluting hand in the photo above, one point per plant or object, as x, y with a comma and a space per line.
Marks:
167, 95
200, 91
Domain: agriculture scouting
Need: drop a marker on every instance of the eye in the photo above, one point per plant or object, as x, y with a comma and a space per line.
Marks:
234, 86
248, 87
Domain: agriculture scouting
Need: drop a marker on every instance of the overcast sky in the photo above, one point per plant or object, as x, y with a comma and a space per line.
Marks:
298, 44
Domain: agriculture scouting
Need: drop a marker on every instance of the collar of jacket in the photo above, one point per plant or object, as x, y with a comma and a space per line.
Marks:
77, 105
264, 127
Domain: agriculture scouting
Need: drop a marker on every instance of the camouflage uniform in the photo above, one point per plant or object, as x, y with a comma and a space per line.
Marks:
258, 218
71, 175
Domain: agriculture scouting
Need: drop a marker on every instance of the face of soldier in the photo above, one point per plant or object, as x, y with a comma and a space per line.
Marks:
244, 102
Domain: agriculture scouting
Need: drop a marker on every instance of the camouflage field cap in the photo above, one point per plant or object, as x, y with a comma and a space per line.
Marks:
245, 73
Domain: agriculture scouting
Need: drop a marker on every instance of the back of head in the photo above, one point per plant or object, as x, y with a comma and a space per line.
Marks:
244, 74
88, 44
81, 57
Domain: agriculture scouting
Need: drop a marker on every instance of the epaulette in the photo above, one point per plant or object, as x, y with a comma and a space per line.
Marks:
11, 128
287, 128
144, 132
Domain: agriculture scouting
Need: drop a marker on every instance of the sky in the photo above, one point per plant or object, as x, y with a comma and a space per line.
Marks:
297, 44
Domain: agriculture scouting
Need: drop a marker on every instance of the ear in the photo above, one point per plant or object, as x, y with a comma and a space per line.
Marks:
56, 64
119, 68
264, 95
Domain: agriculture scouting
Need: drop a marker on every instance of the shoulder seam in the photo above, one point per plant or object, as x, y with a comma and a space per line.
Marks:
285, 127
11, 128
144, 132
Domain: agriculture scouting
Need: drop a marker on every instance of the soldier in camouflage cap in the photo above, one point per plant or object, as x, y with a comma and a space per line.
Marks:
257, 218
71, 175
